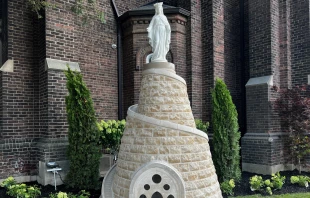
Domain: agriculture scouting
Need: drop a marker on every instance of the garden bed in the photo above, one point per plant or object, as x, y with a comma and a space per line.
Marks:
46, 190
242, 188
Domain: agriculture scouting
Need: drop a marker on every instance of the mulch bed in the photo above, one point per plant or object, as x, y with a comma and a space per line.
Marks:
46, 190
242, 188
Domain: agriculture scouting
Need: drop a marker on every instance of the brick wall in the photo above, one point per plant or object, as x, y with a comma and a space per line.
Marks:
300, 40
19, 113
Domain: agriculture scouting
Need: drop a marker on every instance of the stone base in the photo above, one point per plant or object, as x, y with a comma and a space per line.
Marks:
44, 178
23, 179
263, 153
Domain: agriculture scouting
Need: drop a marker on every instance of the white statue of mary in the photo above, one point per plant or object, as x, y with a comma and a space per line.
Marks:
159, 34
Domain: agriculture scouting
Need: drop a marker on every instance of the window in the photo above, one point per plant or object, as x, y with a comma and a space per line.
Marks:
3, 32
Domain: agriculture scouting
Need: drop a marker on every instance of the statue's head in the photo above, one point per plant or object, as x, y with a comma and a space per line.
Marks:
159, 8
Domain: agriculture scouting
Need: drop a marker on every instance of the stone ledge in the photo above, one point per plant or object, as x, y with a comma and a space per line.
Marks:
159, 65
55, 64
260, 81
263, 136
8, 66
266, 169
23, 179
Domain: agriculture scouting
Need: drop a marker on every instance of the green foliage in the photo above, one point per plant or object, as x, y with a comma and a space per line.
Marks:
88, 9
228, 186
268, 190
201, 125
8, 182
226, 136
83, 134
258, 184
294, 179
82, 194
37, 5
20, 190
300, 180
111, 133
277, 180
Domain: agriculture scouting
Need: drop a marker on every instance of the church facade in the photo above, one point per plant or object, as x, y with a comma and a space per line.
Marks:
252, 45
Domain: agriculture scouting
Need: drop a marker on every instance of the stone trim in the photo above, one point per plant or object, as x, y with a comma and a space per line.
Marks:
61, 65
164, 72
23, 179
308, 79
151, 167
160, 65
141, 55
132, 111
266, 169
263, 136
260, 81
8, 66
106, 189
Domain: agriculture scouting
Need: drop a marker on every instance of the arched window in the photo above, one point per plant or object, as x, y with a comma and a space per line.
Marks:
157, 179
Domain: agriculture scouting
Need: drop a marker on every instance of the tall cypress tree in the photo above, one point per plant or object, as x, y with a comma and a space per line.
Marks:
226, 135
83, 150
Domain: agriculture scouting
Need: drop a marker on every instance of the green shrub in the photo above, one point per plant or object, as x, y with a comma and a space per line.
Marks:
8, 182
226, 136
82, 194
277, 180
201, 125
111, 133
228, 186
268, 190
256, 183
294, 179
20, 190
83, 134
300, 180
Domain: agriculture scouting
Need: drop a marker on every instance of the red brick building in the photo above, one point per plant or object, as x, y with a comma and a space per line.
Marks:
252, 45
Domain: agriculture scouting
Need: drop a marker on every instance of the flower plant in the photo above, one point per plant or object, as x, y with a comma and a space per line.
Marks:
203, 126
111, 133
20, 190
228, 186
300, 180
258, 184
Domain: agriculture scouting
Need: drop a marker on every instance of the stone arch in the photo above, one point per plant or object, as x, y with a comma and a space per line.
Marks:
143, 52
157, 178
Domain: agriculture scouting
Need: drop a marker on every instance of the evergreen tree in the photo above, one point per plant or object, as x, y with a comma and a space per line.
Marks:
83, 150
226, 135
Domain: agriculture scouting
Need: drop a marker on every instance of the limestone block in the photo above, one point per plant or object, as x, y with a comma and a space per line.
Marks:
162, 128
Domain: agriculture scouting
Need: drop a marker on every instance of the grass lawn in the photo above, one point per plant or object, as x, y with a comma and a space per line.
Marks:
294, 195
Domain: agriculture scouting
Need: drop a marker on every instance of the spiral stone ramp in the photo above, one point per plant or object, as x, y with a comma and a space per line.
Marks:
162, 154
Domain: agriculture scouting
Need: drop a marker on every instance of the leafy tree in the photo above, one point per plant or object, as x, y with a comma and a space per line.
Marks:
293, 107
226, 134
84, 150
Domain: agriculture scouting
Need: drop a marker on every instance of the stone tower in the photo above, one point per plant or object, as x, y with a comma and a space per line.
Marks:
162, 153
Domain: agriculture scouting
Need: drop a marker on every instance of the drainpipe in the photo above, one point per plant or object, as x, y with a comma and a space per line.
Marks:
242, 64
119, 61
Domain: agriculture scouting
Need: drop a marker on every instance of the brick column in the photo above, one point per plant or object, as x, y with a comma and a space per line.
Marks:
300, 41
19, 118
262, 145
